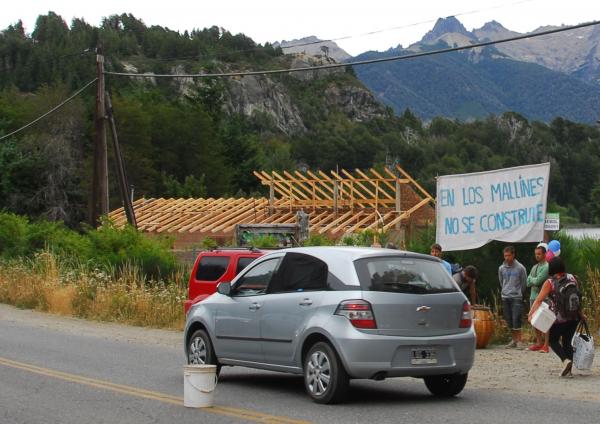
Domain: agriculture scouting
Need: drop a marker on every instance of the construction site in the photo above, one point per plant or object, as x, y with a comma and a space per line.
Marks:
332, 204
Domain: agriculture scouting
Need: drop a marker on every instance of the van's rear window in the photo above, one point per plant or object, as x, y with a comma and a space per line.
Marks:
211, 268
403, 275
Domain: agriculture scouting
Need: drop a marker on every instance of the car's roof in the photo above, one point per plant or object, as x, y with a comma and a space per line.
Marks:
233, 252
353, 253
338, 258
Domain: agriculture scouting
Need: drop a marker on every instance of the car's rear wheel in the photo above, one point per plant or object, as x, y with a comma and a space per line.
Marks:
325, 378
446, 385
200, 350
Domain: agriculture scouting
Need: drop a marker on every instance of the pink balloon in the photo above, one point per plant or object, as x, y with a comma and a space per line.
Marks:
549, 255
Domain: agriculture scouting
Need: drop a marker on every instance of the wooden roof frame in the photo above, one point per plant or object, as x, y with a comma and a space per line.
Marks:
338, 202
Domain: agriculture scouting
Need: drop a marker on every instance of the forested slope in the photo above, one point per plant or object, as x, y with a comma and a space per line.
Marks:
204, 138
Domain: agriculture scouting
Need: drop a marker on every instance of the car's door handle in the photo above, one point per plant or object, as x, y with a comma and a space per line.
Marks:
306, 302
254, 307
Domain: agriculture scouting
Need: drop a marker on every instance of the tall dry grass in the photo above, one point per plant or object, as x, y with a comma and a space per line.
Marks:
49, 283
591, 299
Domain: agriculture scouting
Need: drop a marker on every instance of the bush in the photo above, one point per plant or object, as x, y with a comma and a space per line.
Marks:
115, 247
58, 238
262, 241
317, 240
208, 243
107, 246
366, 238
13, 235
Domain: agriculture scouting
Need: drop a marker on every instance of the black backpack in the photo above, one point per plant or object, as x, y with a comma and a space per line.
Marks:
567, 298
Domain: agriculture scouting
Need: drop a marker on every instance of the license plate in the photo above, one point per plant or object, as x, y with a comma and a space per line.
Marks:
423, 356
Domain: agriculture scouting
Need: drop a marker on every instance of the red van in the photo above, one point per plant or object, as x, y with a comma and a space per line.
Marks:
214, 266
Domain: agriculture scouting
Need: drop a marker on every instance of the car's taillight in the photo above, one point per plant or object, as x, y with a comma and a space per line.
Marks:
465, 318
359, 312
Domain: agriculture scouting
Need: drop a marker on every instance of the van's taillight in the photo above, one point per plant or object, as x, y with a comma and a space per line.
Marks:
465, 318
359, 312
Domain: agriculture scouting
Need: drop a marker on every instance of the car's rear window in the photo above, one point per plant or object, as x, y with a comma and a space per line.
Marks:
211, 268
403, 275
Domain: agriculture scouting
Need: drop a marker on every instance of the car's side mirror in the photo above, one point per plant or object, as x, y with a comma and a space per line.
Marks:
224, 288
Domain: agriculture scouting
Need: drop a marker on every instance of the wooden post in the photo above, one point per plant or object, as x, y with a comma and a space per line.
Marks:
398, 201
123, 184
336, 192
271, 197
376, 196
100, 175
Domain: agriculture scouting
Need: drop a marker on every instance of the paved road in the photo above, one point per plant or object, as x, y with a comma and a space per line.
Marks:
80, 372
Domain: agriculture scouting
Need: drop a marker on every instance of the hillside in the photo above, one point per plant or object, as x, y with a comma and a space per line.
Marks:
203, 138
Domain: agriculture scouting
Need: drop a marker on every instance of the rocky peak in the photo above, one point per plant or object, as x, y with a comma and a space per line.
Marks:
493, 31
445, 26
315, 47
494, 26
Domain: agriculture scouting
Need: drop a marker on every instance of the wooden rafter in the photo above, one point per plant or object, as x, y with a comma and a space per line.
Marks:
337, 202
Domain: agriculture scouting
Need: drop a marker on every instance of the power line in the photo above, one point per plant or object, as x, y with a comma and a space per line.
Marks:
347, 37
428, 21
361, 62
54, 109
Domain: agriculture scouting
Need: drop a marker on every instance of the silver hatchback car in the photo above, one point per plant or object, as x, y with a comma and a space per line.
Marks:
339, 313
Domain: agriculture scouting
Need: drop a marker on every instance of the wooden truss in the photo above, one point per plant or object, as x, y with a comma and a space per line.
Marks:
338, 202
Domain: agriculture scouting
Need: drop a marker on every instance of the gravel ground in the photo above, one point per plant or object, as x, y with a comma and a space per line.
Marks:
512, 370
523, 371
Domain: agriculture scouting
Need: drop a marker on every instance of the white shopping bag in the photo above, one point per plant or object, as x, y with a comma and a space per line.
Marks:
583, 347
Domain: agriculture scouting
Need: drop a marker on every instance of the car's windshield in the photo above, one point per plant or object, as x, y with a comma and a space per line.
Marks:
403, 275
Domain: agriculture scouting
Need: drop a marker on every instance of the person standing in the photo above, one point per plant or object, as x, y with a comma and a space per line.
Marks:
563, 290
436, 250
537, 276
513, 281
466, 280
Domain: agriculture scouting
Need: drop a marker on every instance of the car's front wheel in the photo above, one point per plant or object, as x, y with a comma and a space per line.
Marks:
200, 350
325, 378
446, 385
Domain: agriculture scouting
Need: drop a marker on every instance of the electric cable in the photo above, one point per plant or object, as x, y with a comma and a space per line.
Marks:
347, 37
54, 109
428, 21
361, 62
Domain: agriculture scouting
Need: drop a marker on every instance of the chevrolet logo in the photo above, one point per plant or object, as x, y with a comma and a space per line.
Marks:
423, 308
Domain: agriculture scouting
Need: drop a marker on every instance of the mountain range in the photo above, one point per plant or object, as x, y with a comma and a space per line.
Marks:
541, 78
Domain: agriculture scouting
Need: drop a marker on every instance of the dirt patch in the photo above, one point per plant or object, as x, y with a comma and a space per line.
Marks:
534, 373
496, 368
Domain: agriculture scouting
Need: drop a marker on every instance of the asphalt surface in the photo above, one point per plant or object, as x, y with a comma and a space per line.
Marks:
76, 374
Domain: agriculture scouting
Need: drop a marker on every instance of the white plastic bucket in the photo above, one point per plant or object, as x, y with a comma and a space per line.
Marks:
199, 383
543, 318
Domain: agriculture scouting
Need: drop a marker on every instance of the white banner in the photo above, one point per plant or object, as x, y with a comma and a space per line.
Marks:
505, 204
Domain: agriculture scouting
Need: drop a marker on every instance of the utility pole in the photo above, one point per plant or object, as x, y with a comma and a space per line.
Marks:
100, 178
123, 184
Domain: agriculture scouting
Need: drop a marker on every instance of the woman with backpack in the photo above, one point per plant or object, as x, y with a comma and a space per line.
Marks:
563, 291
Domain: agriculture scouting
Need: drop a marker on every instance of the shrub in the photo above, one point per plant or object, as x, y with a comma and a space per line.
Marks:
208, 243
58, 238
13, 235
317, 240
264, 241
114, 247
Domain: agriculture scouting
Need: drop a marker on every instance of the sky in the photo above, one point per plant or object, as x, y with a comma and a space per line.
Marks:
276, 20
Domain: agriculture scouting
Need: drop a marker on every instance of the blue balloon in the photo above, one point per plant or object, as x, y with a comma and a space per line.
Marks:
554, 245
